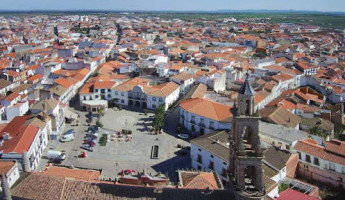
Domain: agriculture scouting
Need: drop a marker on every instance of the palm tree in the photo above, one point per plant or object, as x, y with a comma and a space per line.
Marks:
316, 130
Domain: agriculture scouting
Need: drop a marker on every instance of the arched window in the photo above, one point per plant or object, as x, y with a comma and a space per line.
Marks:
247, 107
250, 177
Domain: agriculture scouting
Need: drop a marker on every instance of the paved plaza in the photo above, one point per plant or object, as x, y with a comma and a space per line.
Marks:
134, 154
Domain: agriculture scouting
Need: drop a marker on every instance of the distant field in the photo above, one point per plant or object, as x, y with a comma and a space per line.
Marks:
325, 20
322, 19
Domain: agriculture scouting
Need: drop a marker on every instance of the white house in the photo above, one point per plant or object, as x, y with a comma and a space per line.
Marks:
56, 111
324, 164
138, 93
185, 80
201, 116
211, 152
30, 135
11, 171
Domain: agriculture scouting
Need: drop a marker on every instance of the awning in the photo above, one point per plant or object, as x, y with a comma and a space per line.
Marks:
71, 115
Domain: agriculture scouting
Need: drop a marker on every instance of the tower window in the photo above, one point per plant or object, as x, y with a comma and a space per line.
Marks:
247, 107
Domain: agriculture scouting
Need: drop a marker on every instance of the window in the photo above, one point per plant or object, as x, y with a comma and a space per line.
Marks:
109, 90
109, 96
153, 98
316, 161
96, 90
199, 160
122, 101
224, 163
122, 94
193, 119
212, 156
116, 93
299, 155
96, 96
201, 120
343, 170
224, 173
102, 90
199, 167
199, 149
153, 105
160, 100
331, 166
307, 158
211, 166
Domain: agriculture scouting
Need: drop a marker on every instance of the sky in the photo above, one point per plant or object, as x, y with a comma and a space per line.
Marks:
178, 5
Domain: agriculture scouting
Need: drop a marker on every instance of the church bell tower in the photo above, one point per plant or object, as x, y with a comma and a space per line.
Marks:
246, 154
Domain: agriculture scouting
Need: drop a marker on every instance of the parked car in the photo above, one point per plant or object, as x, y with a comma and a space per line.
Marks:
70, 131
90, 138
183, 136
67, 138
51, 154
93, 128
91, 143
92, 134
87, 147
127, 172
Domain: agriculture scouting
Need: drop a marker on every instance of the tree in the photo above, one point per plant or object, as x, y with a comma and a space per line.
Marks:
158, 120
315, 130
100, 112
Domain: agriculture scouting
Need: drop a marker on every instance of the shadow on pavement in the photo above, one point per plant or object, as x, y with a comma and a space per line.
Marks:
171, 165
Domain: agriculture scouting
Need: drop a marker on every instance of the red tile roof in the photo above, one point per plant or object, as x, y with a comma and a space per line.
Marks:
6, 166
199, 180
333, 152
208, 109
12, 96
64, 82
291, 194
103, 84
78, 174
35, 77
21, 135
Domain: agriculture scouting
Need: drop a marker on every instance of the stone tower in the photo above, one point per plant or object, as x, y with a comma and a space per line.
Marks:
246, 155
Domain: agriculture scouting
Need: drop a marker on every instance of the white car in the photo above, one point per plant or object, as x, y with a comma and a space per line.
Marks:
183, 136
67, 138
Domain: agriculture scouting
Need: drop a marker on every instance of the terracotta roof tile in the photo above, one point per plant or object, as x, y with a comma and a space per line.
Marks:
21, 135
208, 109
104, 84
78, 174
64, 82
199, 180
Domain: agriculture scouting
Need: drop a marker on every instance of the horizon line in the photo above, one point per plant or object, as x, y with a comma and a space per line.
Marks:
178, 11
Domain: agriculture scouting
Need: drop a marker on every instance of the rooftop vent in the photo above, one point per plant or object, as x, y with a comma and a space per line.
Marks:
6, 136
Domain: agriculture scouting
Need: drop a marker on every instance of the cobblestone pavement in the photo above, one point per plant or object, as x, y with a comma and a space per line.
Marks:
134, 154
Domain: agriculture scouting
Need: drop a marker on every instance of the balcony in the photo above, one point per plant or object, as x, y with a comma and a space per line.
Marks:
202, 125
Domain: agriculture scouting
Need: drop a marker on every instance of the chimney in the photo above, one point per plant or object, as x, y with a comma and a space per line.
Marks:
44, 115
26, 162
6, 136
5, 188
